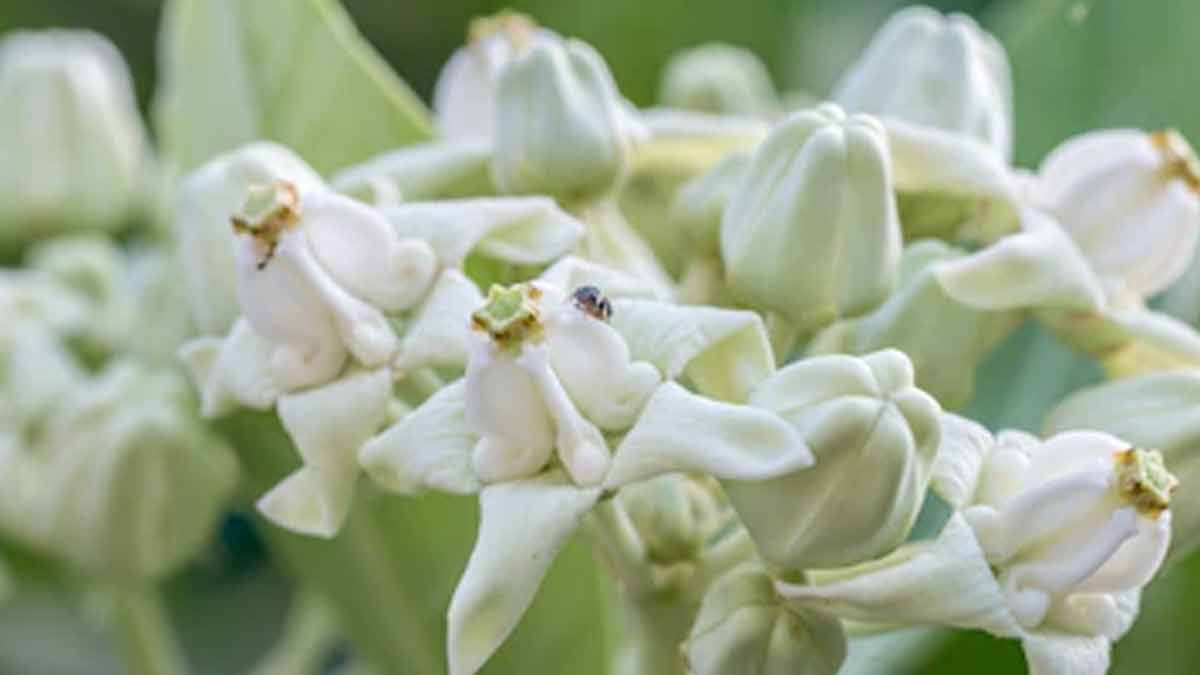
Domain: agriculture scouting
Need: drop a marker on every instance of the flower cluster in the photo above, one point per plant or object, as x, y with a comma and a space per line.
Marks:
723, 338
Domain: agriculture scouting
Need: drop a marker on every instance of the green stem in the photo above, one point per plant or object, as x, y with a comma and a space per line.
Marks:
658, 619
375, 594
310, 632
144, 633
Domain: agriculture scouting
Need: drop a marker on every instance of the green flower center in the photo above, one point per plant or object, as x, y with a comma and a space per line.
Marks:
269, 210
1143, 480
510, 315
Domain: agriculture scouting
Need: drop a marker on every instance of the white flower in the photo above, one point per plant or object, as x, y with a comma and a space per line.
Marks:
1156, 410
538, 352
205, 201
1080, 514
812, 232
554, 378
937, 71
315, 273
1130, 201
73, 147
717, 78
1051, 543
465, 92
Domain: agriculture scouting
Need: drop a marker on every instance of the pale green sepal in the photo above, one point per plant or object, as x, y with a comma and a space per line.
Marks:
724, 352
744, 626
294, 71
940, 164
1128, 341
571, 272
1066, 654
430, 448
700, 203
679, 431
521, 230
965, 445
423, 172
523, 525
944, 581
438, 334
328, 425
230, 372
944, 338
1037, 267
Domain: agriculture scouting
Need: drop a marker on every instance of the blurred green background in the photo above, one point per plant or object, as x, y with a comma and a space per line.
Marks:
1076, 65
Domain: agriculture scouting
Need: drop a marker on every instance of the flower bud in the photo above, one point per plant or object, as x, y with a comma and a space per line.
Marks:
743, 621
206, 199
123, 482
1131, 202
315, 273
73, 147
812, 233
933, 70
465, 92
874, 436
561, 125
717, 78
673, 515
1081, 514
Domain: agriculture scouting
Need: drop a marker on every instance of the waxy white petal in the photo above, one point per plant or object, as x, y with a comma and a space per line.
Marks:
725, 353
681, 432
327, 425
430, 448
519, 230
523, 525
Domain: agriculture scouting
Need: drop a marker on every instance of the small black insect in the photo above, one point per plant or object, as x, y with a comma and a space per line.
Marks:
592, 302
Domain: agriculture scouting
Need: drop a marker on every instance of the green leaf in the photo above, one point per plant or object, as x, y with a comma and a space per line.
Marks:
292, 71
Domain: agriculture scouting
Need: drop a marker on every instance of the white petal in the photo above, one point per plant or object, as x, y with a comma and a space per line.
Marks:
508, 414
724, 352
232, 371
520, 230
965, 445
327, 425
593, 363
523, 525
571, 272
362, 252
438, 335
1038, 267
680, 431
1061, 654
946, 581
430, 448
580, 445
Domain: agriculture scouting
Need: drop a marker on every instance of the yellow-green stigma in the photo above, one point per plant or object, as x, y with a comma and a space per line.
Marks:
1143, 481
510, 315
517, 27
268, 211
